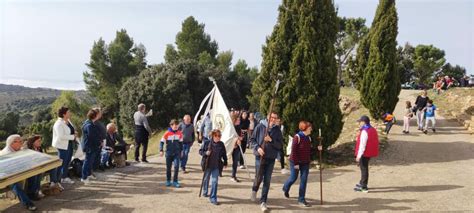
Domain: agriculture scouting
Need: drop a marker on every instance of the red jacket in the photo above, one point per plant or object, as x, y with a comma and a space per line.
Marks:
372, 148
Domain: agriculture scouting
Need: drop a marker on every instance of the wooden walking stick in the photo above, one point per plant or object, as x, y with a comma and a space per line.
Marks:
320, 139
205, 167
259, 177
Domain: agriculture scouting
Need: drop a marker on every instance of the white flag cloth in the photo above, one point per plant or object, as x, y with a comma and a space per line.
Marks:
221, 120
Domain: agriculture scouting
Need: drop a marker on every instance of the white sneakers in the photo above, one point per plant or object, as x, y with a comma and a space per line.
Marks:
67, 180
86, 181
263, 207
285, 171
92, 177
242, 167
253, 197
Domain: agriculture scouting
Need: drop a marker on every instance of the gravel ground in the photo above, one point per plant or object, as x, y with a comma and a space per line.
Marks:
417, 172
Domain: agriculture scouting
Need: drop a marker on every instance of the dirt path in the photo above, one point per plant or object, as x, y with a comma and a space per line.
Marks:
416, 172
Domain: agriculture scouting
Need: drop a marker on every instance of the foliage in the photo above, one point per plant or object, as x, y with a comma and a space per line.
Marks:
405, 62
109, 66
351, 31
427, 60
380, 82
312, 91
8, 124
77, 108
457, 72
192, 40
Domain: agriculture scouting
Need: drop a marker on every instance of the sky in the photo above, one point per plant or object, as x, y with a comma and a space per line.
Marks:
46, 43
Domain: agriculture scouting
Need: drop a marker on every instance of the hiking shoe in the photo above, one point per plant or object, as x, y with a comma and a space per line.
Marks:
304, 204
168, 183
285, 171
61, 188
176, 184
40, 194
214, 202
136, 160
31, 207
67, 180
263, 207
286, 194
425, 131
86, 181
92, 177
242, 167
365, 190
205, 195
253, 197
434, 130
145, 161
234, 179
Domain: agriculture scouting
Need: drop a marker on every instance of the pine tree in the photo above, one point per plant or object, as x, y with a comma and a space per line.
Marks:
380, 85
311, 91
277, 54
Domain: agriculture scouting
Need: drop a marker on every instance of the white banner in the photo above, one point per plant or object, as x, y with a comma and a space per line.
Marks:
221, 120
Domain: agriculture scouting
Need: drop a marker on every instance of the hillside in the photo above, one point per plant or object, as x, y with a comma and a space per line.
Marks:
25, 101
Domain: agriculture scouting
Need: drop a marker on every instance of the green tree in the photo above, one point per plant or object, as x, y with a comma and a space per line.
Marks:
277, 54
9, 124
109, 67
405, 62
427, 61
351, 31
171, 55
192, 40
457, 72
380, 85
77, 108
312, 91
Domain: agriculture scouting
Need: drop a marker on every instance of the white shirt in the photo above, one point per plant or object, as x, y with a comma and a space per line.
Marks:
61, 134
363, 143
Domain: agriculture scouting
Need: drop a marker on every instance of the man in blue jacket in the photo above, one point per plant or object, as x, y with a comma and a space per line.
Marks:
266, 145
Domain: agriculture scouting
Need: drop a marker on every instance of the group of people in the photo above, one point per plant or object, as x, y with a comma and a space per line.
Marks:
424, 110
264, 137
442, 84
99, 144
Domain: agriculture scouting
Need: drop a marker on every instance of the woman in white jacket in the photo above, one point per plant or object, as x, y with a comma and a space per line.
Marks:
64, 137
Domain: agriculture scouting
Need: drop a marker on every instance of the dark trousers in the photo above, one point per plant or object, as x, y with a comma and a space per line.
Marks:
282, 158
33, 185
267, 176
91, 156
172, 159
141, 138
244, 148
235, 161
364, 171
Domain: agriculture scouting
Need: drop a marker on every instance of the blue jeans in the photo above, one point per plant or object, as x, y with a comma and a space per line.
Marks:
88, 163
104, 157
304, 171
53, 175
267, 176
24, 199
214, 175
66, 156
172, 159
184, 159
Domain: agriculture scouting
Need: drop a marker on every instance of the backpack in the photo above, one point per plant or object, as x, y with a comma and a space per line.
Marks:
76, 165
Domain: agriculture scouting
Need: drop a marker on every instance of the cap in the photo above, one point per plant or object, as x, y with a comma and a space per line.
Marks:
365, 119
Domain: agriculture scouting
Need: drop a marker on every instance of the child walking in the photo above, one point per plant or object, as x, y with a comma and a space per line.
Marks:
388, 120
430, 116
214, 156
406, 118
173, 139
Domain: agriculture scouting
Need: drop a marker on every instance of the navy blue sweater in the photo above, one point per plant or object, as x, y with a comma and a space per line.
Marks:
90, 137
272, 148
218, 155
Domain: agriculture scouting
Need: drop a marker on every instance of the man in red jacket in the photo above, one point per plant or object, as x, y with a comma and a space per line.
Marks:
367, 146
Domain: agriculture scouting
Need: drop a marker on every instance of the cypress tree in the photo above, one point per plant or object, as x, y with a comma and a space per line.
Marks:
311, 91
380, 85
277, 54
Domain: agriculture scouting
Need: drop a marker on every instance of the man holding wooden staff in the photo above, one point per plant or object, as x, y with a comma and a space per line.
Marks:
266, 146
